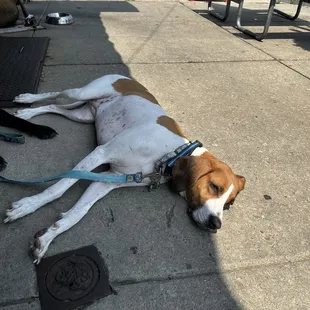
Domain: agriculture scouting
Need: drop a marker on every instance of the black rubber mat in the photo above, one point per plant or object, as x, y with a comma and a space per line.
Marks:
21, 61
71, 279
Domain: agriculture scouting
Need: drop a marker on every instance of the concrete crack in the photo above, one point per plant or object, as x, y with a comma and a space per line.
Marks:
170, 215
112, 216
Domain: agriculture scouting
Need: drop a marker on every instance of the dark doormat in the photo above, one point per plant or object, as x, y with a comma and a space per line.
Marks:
21, 61
71, 279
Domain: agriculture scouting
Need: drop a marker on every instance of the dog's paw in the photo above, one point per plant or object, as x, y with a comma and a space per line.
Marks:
25, 98
25, 114
21, 208
44, 132
3, 163
40, 245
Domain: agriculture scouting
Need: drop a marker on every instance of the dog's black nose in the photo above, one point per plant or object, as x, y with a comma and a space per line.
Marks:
214, 222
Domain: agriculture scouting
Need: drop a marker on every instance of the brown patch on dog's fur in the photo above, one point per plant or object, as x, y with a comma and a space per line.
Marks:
130, 87
197, 175
171, 125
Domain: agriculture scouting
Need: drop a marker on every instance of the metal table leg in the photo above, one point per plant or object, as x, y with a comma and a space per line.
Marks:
261, 36
217, 15
290, 16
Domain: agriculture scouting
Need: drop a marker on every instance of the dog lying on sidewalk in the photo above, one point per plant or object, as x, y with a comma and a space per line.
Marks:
41, 132
133, 133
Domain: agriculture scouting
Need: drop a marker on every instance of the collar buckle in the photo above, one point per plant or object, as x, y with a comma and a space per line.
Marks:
155, 178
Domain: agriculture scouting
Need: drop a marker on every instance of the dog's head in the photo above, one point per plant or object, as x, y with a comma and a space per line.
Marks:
208, 185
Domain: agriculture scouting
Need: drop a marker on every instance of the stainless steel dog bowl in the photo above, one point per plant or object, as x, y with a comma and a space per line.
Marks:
59, 19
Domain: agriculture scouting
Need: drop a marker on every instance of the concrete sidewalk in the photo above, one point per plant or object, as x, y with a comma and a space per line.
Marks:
247, 101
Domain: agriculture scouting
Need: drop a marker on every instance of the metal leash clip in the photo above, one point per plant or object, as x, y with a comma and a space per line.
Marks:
155, 178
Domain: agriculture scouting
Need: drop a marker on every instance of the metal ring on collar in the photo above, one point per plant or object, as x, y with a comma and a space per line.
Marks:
59, 19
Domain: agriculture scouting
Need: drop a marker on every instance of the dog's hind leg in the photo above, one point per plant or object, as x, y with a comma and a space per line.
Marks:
103, 154
95, 191
73, 105
82, 114
98, 88
31, 98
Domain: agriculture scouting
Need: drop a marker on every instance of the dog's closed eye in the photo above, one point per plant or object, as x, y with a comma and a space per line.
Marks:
216, 189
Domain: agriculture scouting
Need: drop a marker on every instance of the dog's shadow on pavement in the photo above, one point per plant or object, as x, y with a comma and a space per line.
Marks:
155, 255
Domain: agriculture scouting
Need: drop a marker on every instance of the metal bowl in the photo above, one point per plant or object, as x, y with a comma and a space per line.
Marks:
59, 19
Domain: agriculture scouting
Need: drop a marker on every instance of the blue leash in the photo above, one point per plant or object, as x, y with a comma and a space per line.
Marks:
82, 175
99, 177
74, 174
12, 137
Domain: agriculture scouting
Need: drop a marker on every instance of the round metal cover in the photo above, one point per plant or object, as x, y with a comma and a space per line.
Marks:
71, 278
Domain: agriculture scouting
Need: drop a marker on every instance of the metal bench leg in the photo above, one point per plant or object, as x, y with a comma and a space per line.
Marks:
290, 16
261, 36
217, 15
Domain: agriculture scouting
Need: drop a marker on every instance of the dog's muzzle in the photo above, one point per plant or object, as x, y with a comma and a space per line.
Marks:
211, 224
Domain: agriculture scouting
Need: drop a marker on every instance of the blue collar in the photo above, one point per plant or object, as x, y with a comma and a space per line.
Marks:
163, 166
186, 152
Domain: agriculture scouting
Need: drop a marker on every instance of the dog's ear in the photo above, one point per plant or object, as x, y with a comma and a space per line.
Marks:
240, 182
179, 174
187, 170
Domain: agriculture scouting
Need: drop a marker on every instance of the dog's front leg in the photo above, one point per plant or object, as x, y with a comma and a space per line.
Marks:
101, 155
95, 191
44, 237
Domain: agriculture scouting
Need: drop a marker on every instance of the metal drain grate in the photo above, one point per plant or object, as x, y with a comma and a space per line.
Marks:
71, 279
21, 61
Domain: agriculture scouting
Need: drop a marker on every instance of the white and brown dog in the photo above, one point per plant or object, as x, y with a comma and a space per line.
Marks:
133, 132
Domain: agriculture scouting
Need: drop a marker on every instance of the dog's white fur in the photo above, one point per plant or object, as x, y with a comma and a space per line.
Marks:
129, 139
